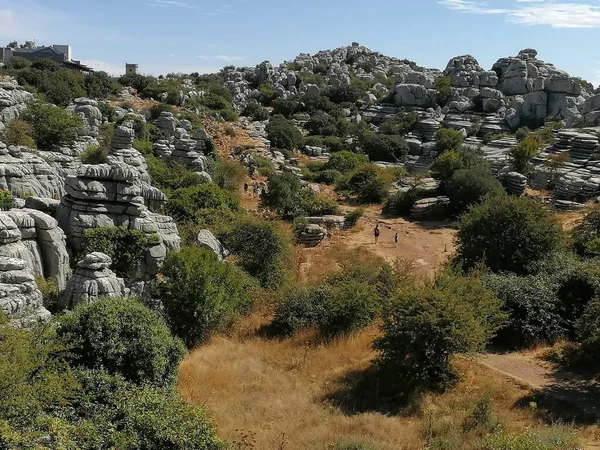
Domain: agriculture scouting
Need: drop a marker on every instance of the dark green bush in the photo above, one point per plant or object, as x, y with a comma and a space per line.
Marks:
586, 236
321, 124
507, 234
452, 161
344, 93
255, 111
587, 355
100, 85
443, 89
402, 123
261, 249
533, 309
94, 155
184, 203
352, 218
201, 295
156, 110
345, 161
370, 184
283, 133
127, 248
448, 139
522, 153
301, 308
52, 126
422, 330
171, 178
470, 186
383, 147
123, 337
228, 174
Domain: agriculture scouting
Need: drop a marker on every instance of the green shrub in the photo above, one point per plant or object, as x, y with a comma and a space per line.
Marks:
470, 186
100, 85
228, 174
301, 308
266, 94
443, 89
533, 309
554, 438
588, 334
94, 154
19, 132
448, 139
156, 110
333, 143
345, 161
312, 204
144, 147
452, 161
49, 292
327, 176
401, 203
264, 166
351, 218
171, 178
370, 184
52, 126
123, 337
587, 234
522, 153
344, 93
7, 200
488, 233
261, 249
201, 295
256, 112
422, 329
402, 123
127, 248
321, 124
522, 133
283, 133
383, 147
184, 203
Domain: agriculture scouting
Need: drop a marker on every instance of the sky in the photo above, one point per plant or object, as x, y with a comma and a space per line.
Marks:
165, 36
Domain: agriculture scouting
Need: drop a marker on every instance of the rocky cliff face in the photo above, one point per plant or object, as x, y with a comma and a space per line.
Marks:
13, 101
20, 298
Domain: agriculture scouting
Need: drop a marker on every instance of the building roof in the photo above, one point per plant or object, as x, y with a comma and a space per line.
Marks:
35, 50
78, 66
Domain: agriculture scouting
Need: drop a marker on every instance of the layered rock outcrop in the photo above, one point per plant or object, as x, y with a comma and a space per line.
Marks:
92, 280
90, 114
20, 298
13, 101
205, 239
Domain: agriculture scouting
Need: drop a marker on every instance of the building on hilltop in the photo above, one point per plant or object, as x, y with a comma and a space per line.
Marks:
60, 54
131, 69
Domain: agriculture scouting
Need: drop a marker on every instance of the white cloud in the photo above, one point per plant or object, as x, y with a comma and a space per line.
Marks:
104, 66
535, 12
228, 58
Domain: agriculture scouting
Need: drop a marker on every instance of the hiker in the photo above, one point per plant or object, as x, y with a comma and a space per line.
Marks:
396, 240
376, 232
246, 189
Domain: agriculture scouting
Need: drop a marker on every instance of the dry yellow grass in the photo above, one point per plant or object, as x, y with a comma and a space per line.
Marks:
276, 390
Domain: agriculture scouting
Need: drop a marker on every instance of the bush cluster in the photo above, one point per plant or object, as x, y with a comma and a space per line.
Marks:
283, 133
52, 126
369, 183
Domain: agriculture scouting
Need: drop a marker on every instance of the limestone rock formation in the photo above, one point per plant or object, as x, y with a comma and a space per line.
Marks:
107, 195
20, 298
311, 235
24, 173
35, 238
90, 114
13, 101
430, 208
122, 151
92, 280
205, 239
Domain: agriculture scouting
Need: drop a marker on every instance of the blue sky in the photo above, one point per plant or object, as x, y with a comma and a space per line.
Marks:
198, 35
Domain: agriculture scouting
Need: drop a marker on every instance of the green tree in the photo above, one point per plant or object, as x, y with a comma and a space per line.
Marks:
345, 161
283, 195
448, 139
452, 161
100, 85
421, 332
522, 153
369, 183
507, 234
200, 294
186, 202
123, 337
383, 147
443, 89
52, 126
283, 133
470, 186
586, 235
261, 249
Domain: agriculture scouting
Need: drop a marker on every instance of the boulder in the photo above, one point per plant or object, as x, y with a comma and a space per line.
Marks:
92, 280
205, 239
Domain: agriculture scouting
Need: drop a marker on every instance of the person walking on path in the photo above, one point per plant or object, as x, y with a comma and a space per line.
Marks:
246, 189
396, 240
376, 232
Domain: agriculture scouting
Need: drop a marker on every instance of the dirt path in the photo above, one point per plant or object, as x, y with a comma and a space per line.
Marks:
571, 395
